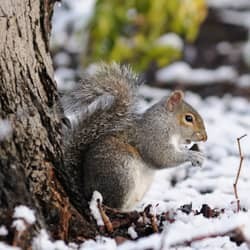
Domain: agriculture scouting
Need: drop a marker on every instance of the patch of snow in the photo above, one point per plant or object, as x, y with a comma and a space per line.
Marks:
5, 129
132, 233
238, 104
64, 78
19, 225
150, 242
23, 212
91, 69
3, 231
152, 94
182, 72
224, 48
199, 226
43, 242
246, 231
4, 246
101, 243
94, 208
244, 80
62, 59
171, 40
69, 18
175, 72
239, 18
246, 49
228, 3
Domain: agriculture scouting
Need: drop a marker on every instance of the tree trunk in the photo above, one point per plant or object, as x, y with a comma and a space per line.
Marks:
31, 150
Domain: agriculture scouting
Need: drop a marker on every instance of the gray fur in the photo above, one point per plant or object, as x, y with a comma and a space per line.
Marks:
104, 102
157, 147
115, 151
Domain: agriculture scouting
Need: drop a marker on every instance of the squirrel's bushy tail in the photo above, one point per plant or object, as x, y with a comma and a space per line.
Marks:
102, 103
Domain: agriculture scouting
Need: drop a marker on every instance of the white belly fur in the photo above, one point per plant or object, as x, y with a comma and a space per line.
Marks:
143, 177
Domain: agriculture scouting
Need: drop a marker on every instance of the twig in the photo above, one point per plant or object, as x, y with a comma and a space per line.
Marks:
238, 173
65, 216
153, 220
144, 217
105, 218
154, 223
235, 233
19, 233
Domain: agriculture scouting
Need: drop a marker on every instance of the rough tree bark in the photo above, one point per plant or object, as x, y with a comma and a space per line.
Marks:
28, 98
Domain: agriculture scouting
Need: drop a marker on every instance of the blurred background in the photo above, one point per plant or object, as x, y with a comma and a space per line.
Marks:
199, 45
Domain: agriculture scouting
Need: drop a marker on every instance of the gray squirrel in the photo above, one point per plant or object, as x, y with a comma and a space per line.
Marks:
116, 151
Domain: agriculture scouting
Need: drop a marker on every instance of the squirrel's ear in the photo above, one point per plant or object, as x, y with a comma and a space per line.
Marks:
174, 99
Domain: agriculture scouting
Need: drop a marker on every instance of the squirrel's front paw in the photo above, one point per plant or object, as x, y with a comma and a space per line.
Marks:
196, 158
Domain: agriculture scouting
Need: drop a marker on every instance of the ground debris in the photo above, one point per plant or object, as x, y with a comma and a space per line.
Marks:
208, 212
147, 222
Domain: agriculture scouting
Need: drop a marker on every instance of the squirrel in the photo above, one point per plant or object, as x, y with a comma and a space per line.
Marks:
116, 151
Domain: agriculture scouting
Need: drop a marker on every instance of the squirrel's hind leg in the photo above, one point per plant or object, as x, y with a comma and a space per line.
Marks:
106, 169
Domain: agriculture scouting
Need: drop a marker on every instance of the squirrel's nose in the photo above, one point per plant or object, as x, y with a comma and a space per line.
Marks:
202, 136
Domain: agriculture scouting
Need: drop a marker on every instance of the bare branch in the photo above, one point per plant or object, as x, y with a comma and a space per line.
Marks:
238, 173
105, 218
153, 220
236, 234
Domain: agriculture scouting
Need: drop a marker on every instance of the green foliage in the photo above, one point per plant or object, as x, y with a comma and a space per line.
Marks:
127, 31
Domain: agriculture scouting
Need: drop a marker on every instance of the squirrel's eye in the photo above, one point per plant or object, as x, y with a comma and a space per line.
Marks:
188, 118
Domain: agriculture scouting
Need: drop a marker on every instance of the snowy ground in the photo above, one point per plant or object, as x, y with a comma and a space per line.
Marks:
226, 119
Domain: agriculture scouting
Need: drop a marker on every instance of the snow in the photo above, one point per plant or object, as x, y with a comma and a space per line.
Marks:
61, 59
150, 242
25, 213
182, 72
43, 242
19, 225
64, 78
235, 17
3, 231
181, 231
244, 80
228, 3
71, 15
101, 243
5, 129
94, 207
132, 233
4, 246
171, 40
246, 50
217, 243
224, 47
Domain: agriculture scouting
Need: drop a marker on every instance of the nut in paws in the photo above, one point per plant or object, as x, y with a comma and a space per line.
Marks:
196, 158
